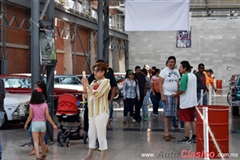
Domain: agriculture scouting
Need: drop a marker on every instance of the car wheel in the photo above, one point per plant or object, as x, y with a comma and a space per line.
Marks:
5, 122
229, 98
235, 111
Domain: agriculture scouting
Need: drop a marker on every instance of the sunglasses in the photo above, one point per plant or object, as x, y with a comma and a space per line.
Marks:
95, 70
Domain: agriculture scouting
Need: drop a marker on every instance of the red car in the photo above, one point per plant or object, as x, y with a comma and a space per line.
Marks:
17, 84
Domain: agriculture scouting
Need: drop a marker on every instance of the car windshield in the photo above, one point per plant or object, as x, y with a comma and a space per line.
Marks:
63, 80
17, 83
67, 80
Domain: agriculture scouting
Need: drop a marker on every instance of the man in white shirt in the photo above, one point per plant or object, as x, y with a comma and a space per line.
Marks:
188, 101
168, 85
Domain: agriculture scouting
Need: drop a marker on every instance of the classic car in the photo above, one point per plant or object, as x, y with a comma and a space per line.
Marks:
235, 96
21, 84
16, 108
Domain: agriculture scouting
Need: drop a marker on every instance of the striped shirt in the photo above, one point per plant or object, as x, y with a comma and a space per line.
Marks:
98, 100
130, 89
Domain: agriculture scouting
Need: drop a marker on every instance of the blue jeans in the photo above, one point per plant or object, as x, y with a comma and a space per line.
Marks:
110, 110
128, 106
30, 133
181, 124
145, 104
204, 100
155, 101
174, 121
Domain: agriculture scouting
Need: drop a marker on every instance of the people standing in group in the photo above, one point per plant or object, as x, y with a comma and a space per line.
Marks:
142, 89
42, 85
155, 92
97, 95
201, 84
38, 113
188, 101
209, 79
130, 94
168, 85
147, 96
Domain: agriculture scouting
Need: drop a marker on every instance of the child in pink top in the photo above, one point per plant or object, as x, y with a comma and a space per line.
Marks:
38, 113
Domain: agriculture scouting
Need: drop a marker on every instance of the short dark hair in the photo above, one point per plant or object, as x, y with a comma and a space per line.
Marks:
144, 71
210, 70
185, 64
154, 67
156, 70
172, 57
137, 67
200, 65
110, 70
37, 97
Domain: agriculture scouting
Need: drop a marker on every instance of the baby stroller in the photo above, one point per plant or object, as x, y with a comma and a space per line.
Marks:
69, 112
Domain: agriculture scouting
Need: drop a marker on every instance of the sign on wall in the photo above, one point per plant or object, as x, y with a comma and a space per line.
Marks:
48, 54
156, 15
183, 39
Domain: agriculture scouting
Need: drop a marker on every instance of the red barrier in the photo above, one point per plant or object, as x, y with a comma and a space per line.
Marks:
218, 122
219, 84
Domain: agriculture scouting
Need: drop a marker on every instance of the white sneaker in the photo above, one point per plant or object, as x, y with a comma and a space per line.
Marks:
132, 121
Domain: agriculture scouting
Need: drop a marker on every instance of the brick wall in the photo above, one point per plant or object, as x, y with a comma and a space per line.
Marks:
17, 41
18, 52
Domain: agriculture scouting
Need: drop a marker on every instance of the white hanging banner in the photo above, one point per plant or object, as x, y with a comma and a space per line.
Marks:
156, 15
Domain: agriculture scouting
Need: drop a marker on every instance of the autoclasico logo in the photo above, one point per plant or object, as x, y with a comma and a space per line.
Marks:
191, 154
183, 154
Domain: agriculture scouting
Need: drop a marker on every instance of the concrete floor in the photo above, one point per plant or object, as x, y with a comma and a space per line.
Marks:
126, 142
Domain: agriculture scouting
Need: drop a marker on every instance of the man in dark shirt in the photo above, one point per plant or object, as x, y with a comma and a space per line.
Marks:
201, 84
141, 80
111, 95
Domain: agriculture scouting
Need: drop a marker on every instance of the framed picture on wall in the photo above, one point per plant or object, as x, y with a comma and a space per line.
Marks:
183, 39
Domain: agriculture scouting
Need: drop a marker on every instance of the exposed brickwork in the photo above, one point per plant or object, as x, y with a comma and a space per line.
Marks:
60, 60
15, 35
60, 41
80, 65
18, 60
84, 37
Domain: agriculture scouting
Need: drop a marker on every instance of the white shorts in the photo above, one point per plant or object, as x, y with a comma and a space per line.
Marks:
38, 126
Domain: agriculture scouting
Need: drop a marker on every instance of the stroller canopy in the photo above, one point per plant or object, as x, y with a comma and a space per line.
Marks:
67, 104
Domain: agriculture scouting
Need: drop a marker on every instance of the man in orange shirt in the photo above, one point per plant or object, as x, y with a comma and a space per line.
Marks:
209, 78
